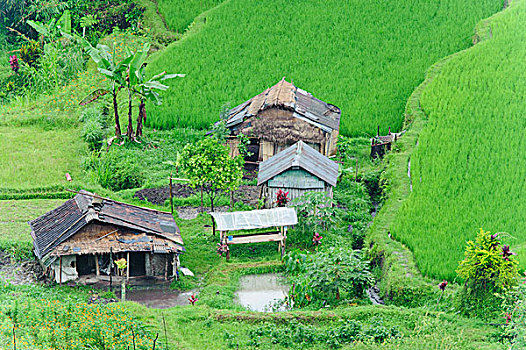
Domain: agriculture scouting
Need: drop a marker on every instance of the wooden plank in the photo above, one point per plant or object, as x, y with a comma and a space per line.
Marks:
255, 239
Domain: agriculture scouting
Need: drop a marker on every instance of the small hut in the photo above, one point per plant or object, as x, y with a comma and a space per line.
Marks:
281, 116
380, 145
82, 237
277, 220
297, 170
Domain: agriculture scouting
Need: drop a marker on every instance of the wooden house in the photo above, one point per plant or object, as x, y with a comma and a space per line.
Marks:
86, 234
281, 116
297, 170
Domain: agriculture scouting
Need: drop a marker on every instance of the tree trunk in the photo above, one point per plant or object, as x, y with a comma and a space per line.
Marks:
141, 118
129, 132
116, 113
202, 205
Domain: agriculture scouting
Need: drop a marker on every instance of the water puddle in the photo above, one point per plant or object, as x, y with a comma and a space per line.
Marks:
260, 292
159, 298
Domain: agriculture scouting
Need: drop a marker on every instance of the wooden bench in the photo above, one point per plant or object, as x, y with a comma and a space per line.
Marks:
262, 237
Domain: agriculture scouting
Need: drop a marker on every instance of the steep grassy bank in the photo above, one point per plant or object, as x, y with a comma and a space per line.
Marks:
469, 168
365, 57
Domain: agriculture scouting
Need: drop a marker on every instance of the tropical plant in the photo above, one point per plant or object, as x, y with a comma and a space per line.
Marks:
328, 275
54, 28
488, 268
208, 166
109, 67
88, 21
146, 89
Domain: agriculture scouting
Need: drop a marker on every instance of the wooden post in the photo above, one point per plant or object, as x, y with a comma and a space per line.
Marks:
127, 266
166, 269
171, 198
213, 226
97, 267
111, 269
60, 272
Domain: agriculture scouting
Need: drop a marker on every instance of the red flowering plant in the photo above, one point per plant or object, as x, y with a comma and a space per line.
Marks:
193, 299
221, 249
13, 61
316, 239
282, 198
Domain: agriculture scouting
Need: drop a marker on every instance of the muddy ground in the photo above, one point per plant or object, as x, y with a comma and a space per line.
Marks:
248, 195
19, 273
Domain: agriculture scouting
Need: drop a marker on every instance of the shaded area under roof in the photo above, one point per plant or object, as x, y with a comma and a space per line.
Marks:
287, 96
303, 156
58, 225
254, 219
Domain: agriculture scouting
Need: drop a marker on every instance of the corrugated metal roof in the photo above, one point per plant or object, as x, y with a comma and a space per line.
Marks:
286, 95
299, 155
58, 225
254, 219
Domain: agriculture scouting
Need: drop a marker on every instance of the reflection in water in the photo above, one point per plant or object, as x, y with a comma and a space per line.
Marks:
259, 292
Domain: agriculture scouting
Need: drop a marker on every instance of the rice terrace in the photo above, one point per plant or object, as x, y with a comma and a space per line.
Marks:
242, 174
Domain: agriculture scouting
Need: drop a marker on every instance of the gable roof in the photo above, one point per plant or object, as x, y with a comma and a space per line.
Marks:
299, 155
287, 96
60, 224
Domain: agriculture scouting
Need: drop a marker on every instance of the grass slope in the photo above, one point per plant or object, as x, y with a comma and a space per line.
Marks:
180, 14
469, 168
365, 57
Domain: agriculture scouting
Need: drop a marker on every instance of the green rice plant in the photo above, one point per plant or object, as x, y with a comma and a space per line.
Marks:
180, 14
469, 167
366, 57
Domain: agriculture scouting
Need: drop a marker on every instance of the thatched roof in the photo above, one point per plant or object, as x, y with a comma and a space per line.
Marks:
285, 95
62, 223
302, 156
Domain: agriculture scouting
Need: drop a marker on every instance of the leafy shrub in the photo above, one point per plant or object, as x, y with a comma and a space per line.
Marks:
515, 316
298, 335
117, 173
328, 276
315, 214
93, 134
488, 268
30, 53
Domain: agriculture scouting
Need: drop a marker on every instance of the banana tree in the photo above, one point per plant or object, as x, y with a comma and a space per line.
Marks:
143, 88
54, 27
110, 68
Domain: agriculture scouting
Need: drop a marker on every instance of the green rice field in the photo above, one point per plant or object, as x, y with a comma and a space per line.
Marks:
180, 14
365, 57
469, 168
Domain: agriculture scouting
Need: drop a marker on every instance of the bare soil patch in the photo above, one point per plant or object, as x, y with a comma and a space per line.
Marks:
19, 273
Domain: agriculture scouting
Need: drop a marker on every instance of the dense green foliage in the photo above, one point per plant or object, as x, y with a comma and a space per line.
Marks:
208, 166
53, 318
364, 57
469, 167
327, 277
180, 14
488, 268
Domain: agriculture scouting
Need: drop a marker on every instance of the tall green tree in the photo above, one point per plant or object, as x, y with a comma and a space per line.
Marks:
209, 167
